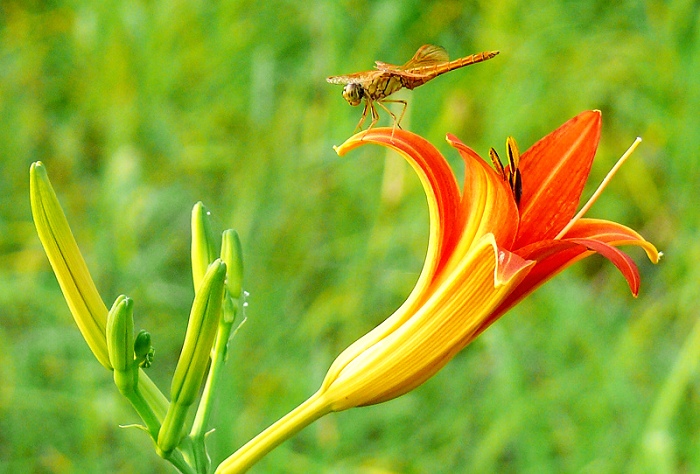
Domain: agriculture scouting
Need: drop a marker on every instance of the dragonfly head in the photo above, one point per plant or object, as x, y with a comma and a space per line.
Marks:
353, 93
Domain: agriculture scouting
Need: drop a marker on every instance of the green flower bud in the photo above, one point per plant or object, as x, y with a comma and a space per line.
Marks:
84, 302
143, 349
232, 255
194, 358
203, 247
120, 334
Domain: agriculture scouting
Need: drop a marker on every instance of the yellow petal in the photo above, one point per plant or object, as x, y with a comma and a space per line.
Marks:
443, 196
430, 337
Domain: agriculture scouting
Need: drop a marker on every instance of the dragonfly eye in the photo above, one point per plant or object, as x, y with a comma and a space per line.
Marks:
353, 93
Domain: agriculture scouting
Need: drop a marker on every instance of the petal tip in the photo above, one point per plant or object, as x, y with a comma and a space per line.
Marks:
595, 116
510, 268
376, 135
451, 139
592, 117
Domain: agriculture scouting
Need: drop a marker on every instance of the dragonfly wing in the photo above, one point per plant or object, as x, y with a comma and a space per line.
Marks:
397, 71
427, 55
363, 77
347, 78
382, 66
338, 79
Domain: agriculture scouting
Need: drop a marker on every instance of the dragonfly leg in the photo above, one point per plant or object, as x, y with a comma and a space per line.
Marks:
397, 121
362, 119
375, 114
375, 117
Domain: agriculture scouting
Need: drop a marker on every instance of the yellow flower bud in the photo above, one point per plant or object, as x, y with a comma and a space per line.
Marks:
84, 302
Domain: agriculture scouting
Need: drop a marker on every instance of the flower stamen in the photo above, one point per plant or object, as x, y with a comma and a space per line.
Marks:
600, 189
511, 174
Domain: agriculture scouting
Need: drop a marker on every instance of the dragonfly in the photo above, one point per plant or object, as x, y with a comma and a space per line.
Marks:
375, 86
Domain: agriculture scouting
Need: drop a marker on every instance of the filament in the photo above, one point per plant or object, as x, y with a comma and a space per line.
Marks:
600, 189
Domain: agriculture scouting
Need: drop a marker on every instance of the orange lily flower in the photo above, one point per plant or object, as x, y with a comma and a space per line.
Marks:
507, 233
530, 226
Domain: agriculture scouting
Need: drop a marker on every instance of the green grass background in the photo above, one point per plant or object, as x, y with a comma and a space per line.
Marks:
140, 108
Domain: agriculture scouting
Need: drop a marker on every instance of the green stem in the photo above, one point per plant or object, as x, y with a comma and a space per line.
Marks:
144, 411
302, 416
201, 419
175, 458
128, 384
152, 396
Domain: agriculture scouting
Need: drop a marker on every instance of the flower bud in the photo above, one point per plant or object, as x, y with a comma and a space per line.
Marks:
203, 247
232, 255
194, 358
84, 302
143, 349
120, 334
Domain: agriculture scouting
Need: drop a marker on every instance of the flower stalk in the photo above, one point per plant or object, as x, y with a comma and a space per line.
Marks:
302, 416
110, 334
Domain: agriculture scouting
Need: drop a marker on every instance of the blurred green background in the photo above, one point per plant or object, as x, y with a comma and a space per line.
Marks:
141, 108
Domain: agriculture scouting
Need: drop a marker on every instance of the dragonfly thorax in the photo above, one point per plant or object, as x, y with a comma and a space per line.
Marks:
353, 93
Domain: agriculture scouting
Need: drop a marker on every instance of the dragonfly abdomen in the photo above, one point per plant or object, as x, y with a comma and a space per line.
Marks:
433, 71
465, 61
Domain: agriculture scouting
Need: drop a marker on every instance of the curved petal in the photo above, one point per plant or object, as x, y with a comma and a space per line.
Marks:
440, 328
583, 239
438, 182
611, 233
443, 198
552, 256
554, 171
621, 260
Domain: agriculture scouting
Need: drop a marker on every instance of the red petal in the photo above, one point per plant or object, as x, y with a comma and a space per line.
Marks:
611, 233
553, 256
621, 260
554, 171
487, 201
438, 181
